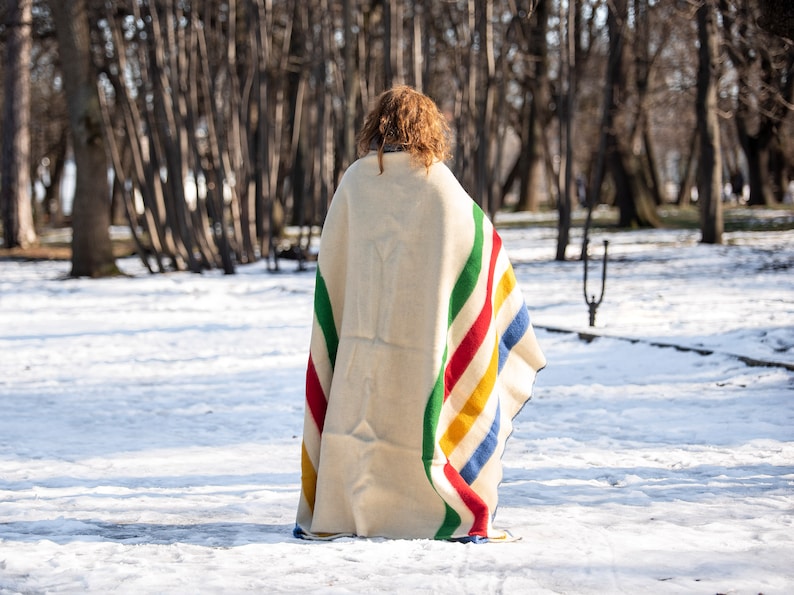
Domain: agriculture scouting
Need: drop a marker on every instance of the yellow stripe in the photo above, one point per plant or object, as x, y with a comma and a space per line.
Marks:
308, 477
472, 409
506, 285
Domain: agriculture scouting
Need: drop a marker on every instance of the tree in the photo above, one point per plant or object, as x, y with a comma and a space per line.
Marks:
228, 120
632, 195
92, 251
764, 65
534, 115
777, 16
710, 162
568, 66
15, 183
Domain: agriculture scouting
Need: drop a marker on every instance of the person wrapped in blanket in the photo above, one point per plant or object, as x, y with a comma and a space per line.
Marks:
422, 352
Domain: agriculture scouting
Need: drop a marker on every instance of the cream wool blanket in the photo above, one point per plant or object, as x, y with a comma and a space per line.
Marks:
422, 353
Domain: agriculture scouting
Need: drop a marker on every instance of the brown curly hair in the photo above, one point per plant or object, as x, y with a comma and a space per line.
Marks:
408, 120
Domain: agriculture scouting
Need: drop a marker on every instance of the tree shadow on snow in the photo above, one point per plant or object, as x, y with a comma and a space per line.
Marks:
218, 535
642, 486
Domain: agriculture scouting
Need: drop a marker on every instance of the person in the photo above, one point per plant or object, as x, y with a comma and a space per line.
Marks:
422, 351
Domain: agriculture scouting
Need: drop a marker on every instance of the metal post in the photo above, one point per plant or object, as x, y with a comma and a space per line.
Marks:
591, 302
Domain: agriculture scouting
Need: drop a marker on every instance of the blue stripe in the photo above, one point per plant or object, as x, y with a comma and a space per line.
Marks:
512, 335
484, 451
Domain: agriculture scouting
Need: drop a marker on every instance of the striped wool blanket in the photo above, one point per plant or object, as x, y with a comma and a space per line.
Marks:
421, 355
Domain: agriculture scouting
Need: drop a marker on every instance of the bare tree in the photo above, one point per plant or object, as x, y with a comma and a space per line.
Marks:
764, 65
568, 67
92, 251
632, 195
230, 122
15, 184
710, 162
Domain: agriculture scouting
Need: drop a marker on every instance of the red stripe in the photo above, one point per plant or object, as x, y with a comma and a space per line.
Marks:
470, 498
315, 397
463, 355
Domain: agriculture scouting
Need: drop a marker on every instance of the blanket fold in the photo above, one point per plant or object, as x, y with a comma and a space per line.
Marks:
422, 353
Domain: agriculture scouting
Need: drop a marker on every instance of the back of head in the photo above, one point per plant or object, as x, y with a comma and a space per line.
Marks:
406, 120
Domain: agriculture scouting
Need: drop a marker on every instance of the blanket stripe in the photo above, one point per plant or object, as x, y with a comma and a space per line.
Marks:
325, 317
467, 280
475, 403
475, 336
316, 396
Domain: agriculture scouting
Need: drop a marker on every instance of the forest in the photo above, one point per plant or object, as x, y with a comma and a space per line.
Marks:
210, 128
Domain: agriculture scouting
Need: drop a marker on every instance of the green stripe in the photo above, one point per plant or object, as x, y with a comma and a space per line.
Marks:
432, 413
325, 317
467, 280
451, 522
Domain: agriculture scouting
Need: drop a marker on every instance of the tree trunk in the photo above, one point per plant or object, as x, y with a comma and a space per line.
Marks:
687, 174
484, 101
640, 138
212, 164
764, 66
15, 185
125, 190
350, 84
756, 150
710, 162
633, 197
52, 195
534, 110
565, 204
164, 135
92, 251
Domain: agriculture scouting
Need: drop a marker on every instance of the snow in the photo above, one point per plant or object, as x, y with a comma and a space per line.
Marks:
150, 431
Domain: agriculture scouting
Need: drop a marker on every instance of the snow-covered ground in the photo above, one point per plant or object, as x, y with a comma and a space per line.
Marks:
150, 432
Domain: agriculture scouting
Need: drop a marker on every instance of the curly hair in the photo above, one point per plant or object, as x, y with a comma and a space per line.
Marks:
409, 121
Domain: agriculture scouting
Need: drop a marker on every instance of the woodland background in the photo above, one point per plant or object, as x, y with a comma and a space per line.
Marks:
208, 128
